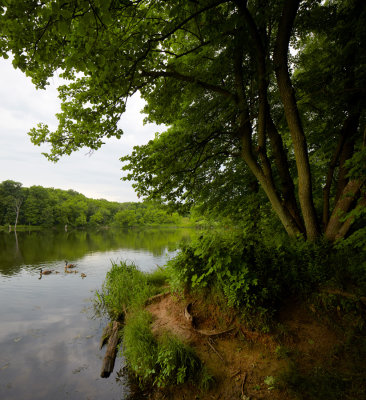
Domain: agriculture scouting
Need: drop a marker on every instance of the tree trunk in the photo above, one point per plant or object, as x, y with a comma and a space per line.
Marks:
293, 118
245, 134
334, 228
18, 203
267, 185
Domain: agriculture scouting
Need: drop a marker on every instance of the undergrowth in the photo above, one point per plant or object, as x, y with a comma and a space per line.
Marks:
158, 361
127, 288
161, 361
256, 274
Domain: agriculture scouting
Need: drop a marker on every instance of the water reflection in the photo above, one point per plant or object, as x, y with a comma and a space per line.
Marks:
48, 334
29, 248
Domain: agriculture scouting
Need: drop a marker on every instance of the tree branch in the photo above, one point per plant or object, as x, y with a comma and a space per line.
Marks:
190, 79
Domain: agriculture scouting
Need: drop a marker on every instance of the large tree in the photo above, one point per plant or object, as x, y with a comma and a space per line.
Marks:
242, 108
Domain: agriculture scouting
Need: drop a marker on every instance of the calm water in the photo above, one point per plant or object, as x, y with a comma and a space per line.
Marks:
49, 333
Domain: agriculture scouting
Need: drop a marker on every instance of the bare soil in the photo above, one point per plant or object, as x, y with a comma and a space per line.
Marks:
243, 360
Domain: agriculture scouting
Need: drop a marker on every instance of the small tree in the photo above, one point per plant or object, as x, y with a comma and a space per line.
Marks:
17, 204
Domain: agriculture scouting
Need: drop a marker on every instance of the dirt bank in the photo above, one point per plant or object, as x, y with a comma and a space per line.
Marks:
244, 363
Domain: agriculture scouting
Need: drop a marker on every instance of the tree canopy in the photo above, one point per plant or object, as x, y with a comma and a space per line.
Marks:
264, 99
49, 207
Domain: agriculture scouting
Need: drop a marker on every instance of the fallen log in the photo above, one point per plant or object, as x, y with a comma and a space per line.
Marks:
105, 335
242, 386
111, 353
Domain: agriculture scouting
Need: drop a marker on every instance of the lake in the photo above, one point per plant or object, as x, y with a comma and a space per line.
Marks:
49, 329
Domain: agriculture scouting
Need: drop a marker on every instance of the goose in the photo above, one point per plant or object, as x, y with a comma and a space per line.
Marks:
46, 272
69, 265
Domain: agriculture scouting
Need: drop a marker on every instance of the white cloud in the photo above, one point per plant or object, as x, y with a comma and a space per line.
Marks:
97, 175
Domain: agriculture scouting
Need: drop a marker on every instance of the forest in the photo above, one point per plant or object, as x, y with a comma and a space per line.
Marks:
49, 207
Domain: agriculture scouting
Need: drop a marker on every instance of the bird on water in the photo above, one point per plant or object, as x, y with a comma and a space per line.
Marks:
69, 265
46, 272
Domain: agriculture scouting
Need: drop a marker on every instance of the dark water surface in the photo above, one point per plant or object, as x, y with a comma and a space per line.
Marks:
49, 333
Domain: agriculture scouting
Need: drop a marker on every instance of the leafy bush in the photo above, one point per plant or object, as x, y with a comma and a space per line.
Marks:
255, 273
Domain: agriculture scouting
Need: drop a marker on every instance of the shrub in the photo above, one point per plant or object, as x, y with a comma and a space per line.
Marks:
254, 273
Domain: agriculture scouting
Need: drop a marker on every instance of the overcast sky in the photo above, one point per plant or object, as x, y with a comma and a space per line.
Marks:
97, 175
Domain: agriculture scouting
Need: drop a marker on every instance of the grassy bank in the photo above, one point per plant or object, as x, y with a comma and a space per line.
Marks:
155, 360
296, 313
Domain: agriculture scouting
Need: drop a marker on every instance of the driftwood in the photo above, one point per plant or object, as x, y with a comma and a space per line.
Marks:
105, 335
111, 353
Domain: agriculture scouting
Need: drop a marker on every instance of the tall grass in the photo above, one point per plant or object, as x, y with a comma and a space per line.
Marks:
161, 361
125, 288
157, 361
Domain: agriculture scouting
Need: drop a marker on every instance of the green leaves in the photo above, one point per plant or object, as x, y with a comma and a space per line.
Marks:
206, 71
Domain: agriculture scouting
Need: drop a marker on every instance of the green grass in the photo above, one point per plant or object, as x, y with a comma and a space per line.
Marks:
160, 361
125, 288
156, 361
158, 277
140, 346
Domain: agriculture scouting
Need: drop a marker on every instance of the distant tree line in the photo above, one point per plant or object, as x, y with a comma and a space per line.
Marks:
48, 207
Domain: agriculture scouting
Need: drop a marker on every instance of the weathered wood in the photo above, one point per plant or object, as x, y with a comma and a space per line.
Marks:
105, 335
111, 353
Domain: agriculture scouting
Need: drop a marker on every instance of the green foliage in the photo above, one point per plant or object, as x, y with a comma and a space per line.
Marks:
140, 346
211, 72
125, 288
48, 207
256, 274
178, 363
158, 277
163, 361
